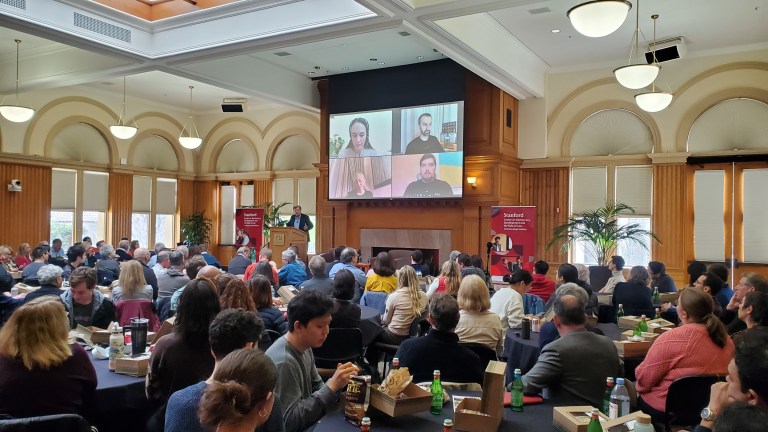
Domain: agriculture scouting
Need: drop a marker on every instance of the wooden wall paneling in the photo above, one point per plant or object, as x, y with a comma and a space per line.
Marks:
186, 197
669, 219
547, 189
262, 191
509, 130
120, 206
207, 199
26, 215
471, 237
477, 116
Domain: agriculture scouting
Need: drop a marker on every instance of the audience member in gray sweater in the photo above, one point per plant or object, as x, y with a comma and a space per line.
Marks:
303, 395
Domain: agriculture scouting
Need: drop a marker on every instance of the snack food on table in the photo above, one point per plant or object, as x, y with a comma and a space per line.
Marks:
396, 381
357, 397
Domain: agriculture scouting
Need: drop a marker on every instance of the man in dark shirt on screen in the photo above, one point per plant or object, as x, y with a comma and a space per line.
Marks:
428, 186
425, 142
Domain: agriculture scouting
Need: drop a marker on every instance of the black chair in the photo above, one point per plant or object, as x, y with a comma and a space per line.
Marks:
342, 345
57, 422
686, 398
31, 282
389, 350
268, 337
484, 352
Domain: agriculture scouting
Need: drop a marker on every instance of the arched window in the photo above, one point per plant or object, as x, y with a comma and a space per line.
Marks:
80, 142
612, 132
236, 156
155, 152
733, 124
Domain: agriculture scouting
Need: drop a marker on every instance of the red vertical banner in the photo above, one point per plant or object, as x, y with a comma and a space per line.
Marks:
512, 241
249, 227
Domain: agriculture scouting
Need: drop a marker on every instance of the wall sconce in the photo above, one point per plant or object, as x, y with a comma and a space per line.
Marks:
472, 181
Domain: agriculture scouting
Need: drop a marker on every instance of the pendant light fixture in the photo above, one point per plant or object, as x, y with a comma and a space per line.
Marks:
598, 18
654, 101
192, 138
17, 113
641, 74
122, 130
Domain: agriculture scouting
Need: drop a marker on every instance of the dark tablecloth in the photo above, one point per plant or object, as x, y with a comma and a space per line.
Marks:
370, 324
121, 404
523, 353
534, 417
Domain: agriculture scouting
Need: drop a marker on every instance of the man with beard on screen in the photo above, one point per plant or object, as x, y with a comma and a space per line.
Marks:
428, 185
425, 142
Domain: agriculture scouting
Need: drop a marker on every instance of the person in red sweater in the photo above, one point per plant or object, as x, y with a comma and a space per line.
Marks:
699, 346
542, 286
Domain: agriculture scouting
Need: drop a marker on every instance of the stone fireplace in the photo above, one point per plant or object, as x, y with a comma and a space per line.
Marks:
438, 241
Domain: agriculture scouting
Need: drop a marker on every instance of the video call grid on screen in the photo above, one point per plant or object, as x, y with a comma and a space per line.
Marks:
385, 154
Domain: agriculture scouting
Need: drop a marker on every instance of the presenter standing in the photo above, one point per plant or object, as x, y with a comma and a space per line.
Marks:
300, 221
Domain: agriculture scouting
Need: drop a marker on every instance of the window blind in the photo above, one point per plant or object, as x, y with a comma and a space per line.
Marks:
708, 210
165, 200
634, 186
755, 211
142, 194
95, 191
588, 188
63, 189
228, 197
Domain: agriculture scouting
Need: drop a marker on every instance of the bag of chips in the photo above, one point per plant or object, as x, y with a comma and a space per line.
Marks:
357, 396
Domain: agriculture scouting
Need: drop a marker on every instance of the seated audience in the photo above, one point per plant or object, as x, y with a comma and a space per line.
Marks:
57, 255
122, 250
699, 346
196, 267
465, 263
141, 255
440, 349
265, 269
746, 381
749, 282
131, 284
174, 278
615, 264
741, 417
209, 259
725, 294
237, 295
348, 260
87, 306
696, 269
39, 259
573, 368
507, 303
240, 262
50, 280
303, 395
23, 258
568, 273
107, 267
711, 285
230, 331
261, 291
320, 281
159, 247
183, 357
660, 279
345, 313
417, 258
240, 396
6, 280
383, 278
548, 330
292, 273
477, 324
634, 294
448, 282
754, 310
9, 304
162, 262
42, 374
75, 258
336, 258
542, 286
265, 256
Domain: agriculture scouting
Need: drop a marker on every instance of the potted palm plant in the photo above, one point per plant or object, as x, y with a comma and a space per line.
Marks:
196, 228
600, 232
272, 216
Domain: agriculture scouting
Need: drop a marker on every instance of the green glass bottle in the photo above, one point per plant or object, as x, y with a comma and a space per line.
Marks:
656, 296
658, 314
517, 392
607, 396
637, 332
594, 422
437, 394
643, 324
620, 312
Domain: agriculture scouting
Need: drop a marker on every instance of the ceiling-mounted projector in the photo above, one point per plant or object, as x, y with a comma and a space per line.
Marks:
234, 104
666, 50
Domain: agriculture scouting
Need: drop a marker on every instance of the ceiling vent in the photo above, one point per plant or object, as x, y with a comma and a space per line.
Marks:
234, 104
539, 10
102, 27
283, 54
18, 4
666, 50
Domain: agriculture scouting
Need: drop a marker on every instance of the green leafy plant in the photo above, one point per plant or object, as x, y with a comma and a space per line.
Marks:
600, 231
196, 228
272, 215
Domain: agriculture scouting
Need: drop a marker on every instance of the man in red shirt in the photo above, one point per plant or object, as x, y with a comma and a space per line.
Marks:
542, 286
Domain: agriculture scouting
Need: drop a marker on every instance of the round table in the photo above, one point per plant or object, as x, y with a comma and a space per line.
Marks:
534, 417
370, 324
120, 403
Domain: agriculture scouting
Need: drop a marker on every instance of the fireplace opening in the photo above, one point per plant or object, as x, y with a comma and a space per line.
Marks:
402, 257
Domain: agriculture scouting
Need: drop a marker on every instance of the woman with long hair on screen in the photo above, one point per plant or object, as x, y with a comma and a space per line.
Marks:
359, 191
359, 141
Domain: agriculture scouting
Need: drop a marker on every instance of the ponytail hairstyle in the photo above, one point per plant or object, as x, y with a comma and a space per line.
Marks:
700, 307
242, 382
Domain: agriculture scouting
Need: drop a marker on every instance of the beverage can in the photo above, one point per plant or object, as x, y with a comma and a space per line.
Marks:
14, 291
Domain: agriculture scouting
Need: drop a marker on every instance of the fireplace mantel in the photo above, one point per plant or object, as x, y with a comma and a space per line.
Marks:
439, 240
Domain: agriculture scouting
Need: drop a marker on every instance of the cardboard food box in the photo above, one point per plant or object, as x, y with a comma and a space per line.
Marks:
485, 414
414, 400
632, 349
16, 275
24, 288
629, 322
133, 366
107, 291
287, 292
576, 419
669, 297
165, 328
648, 336
655, 325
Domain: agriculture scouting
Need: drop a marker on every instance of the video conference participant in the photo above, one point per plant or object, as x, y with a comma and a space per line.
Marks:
428, 185
359, 192
425, 142
359, 142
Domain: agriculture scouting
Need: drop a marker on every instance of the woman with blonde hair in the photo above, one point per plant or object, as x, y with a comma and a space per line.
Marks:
476, 323
406, 304
700, 346
237, 296
240, 395
131, 284
42, 374
24, 256
448, 281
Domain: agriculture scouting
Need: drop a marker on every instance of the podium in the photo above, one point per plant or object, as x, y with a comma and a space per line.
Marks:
280, 238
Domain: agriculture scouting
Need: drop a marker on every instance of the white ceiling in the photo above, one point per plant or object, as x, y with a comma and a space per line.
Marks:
499, 40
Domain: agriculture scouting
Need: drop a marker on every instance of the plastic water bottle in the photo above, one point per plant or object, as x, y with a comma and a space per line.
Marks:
619, 405
643, 423
607, 396
517, 392
116, 343
437, 394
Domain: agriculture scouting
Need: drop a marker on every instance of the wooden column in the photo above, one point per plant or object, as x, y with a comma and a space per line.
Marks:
547, 189
120, 206
669, 221
26, 215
